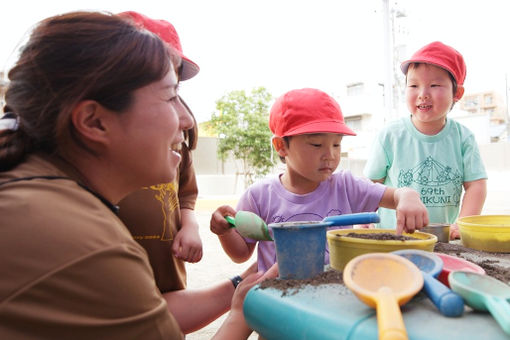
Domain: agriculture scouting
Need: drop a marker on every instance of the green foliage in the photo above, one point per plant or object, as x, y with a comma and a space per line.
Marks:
241, 122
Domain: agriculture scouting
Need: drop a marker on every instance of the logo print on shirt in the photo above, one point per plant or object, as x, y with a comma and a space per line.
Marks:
438, 185
166, 195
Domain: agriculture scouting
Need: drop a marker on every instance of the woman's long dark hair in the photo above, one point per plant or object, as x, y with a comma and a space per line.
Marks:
69, 58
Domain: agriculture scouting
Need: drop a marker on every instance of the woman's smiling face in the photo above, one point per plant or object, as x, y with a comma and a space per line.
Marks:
150, 132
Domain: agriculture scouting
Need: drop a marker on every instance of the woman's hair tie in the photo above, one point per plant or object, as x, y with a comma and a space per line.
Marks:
9, 121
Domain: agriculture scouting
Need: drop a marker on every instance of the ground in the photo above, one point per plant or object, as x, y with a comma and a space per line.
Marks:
215, 265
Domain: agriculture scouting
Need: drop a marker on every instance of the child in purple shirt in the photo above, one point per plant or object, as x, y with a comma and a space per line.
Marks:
308, 127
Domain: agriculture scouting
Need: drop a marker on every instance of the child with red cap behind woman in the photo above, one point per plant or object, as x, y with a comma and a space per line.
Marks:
308, 127
161, 217
436, 156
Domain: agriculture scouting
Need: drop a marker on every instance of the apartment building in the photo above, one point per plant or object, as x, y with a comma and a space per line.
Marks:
489, 103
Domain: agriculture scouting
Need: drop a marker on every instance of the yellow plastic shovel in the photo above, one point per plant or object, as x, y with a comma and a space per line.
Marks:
385, 282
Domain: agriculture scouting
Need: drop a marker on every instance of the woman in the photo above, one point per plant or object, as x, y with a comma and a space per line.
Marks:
92, 113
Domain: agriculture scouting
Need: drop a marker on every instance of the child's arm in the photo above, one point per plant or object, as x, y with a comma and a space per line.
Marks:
371, 225
411, 212
475, 193
232, 242
234, 327
187, 244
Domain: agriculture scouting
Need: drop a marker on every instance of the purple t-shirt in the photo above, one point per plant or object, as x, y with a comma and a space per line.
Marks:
342, 193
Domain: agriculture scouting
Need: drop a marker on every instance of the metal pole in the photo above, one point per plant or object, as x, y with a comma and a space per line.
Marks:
507, 120
506, 97
388, 61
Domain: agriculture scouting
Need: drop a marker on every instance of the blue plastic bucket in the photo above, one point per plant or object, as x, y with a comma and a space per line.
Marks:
300, 248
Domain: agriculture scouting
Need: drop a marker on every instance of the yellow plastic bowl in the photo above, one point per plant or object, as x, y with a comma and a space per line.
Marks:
486, 232
343, 249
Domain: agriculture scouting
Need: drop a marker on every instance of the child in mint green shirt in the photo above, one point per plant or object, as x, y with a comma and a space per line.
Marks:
436, 156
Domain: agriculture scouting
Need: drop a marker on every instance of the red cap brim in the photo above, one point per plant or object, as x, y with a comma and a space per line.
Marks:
189, 69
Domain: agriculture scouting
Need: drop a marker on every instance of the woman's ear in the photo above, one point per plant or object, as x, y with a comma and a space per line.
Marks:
459, 93
88, 119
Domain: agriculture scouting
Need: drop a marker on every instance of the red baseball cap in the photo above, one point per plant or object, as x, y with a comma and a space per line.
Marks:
166, 31
441, 55
305, 111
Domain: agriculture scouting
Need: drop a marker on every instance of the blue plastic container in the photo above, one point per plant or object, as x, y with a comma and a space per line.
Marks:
300, 248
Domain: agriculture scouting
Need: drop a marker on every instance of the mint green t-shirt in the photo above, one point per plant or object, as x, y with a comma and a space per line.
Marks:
435, 166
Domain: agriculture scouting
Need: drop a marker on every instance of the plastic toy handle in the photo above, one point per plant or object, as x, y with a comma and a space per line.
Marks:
449, 303
231, 221
389, 317
500, 310
349, 219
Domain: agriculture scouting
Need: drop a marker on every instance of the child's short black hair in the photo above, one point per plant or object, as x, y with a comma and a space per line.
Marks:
286, 140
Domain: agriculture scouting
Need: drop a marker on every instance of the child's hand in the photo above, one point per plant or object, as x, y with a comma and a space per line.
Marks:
219, 224
411, 212
454, 231
187, 245
243, 288
252, 269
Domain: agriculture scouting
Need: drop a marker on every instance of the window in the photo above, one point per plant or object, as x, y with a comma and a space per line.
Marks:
354, 122
355, 89
471, 102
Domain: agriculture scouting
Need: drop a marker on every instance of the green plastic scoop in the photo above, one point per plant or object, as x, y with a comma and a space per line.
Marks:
483, 293
250, 225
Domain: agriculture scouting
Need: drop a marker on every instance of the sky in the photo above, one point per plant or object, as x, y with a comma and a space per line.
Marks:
288, 44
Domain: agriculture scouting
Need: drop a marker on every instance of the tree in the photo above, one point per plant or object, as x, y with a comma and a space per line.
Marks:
241, 122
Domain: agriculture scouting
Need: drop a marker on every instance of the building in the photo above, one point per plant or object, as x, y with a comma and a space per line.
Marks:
364, 112
489, 103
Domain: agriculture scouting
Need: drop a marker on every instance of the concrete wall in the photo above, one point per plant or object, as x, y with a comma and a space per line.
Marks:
214, 176
221, 178
207, 162
496, 156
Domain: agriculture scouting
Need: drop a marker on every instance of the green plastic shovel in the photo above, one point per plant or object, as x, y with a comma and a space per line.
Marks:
250, 225
483, 293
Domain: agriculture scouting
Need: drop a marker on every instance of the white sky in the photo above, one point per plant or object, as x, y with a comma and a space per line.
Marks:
286, 44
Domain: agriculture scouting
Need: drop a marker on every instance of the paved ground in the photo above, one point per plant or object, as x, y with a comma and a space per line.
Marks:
216, 266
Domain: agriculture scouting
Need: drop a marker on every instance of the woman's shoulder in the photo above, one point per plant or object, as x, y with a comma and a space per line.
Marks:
56, 209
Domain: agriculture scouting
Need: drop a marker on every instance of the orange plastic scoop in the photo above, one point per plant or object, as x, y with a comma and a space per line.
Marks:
385, 282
